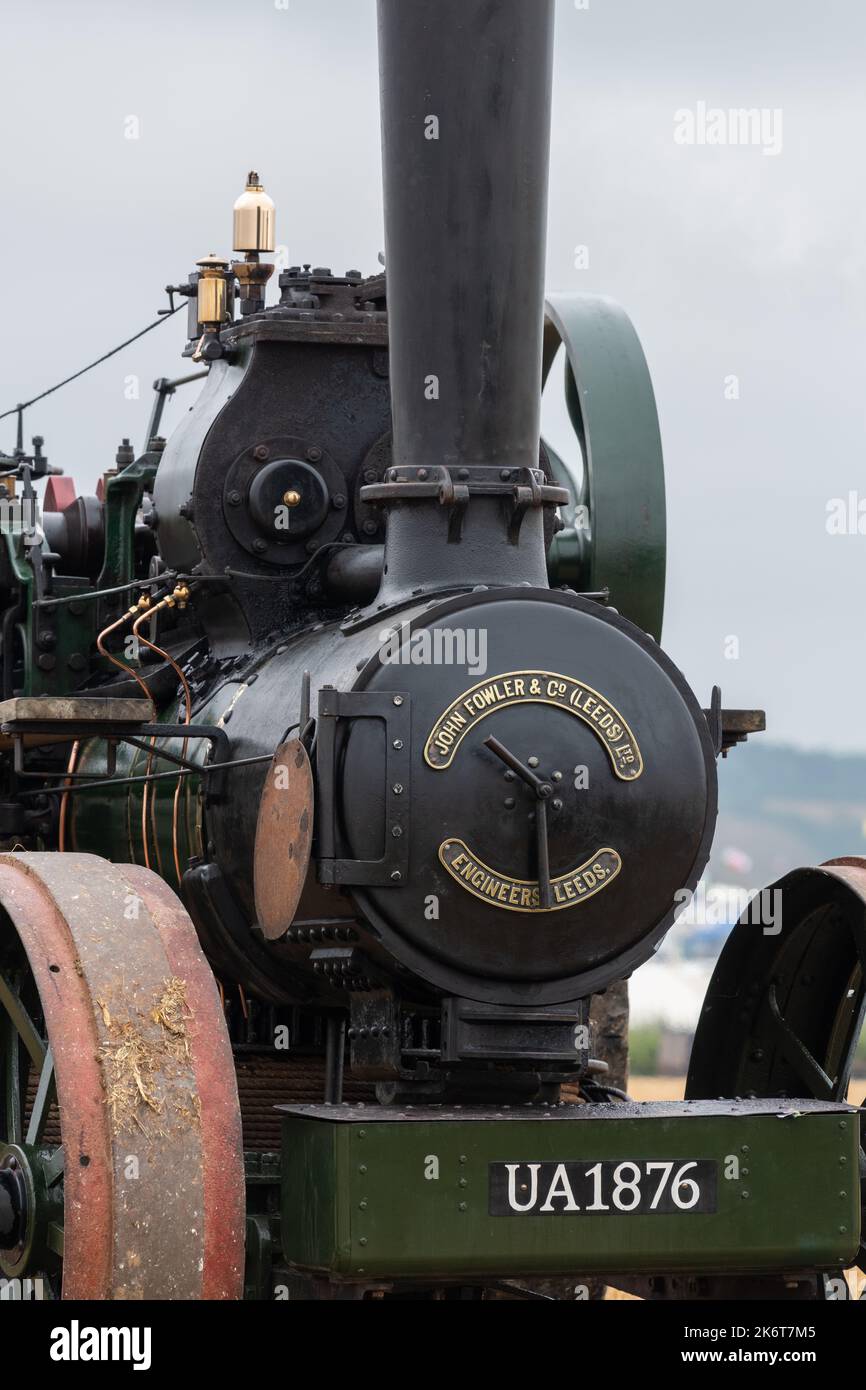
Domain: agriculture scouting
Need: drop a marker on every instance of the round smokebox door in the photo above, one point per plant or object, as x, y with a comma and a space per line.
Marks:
563, 796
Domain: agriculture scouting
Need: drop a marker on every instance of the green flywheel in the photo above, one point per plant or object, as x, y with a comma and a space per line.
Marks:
615, 527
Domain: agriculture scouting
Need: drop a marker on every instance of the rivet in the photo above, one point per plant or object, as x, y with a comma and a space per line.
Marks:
362, 1168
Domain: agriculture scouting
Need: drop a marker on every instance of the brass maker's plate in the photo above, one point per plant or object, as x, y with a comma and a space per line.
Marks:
522, 895
541, 688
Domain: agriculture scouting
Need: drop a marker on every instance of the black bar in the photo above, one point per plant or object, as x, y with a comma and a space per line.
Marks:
335, 1052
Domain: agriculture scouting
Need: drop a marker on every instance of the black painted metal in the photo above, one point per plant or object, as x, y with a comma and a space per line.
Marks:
466, 101
660, 824
465, 217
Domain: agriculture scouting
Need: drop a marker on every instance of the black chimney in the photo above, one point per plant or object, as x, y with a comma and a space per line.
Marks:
466, 100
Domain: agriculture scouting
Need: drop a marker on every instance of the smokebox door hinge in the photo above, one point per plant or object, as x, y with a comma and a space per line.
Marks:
394, 710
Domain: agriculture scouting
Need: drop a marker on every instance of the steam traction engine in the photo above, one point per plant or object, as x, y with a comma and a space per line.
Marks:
342, 769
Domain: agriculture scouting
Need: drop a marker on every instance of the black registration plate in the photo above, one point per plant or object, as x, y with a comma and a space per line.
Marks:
639, 1187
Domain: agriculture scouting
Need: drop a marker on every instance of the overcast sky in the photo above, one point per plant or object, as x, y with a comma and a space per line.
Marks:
733, 262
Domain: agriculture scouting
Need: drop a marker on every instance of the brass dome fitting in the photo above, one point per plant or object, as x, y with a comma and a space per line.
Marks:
254, 220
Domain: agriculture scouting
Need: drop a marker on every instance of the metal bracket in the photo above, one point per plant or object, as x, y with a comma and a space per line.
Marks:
395, 712
550, 1036
728, 727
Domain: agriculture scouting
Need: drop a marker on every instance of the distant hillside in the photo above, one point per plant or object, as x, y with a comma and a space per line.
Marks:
783, 807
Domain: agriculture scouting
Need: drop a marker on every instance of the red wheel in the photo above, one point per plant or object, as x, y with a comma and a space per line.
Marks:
121, 1161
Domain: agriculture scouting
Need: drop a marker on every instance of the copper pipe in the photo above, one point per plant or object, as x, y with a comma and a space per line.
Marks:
180, 595
115, 661
64, 800
141, 608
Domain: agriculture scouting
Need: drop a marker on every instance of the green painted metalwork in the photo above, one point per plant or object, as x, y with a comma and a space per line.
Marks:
365, 1196
616, 527
22, 1136
108, 820
54, 644
123, 495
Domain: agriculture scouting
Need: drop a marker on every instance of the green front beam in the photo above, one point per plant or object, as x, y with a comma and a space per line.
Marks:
369, 1193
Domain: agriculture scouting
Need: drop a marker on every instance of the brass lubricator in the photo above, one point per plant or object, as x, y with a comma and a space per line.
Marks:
212, 293
213, 306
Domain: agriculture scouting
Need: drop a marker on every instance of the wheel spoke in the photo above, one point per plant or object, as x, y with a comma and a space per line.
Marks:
810, 1072
55, 1238
11, 1080
45, 1093
24, 1024
52, 1167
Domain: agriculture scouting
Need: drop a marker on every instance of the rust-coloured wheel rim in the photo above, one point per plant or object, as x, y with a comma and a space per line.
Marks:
106, 997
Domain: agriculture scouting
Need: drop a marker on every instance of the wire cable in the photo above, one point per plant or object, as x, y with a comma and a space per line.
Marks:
25, 405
